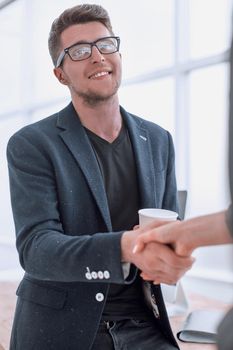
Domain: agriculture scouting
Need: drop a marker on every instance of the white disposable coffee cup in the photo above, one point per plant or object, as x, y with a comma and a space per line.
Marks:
148, 215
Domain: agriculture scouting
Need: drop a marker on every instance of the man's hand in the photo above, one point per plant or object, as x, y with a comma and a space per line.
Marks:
160, 264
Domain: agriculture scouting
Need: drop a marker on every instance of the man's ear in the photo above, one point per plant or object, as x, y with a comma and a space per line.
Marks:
59, 74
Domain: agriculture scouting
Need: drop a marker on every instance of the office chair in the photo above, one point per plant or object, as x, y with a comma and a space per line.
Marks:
182, 199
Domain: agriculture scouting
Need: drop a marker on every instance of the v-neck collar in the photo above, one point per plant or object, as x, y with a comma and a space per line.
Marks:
96, 138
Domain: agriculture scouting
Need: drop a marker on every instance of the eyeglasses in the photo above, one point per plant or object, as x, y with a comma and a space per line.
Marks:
83, 50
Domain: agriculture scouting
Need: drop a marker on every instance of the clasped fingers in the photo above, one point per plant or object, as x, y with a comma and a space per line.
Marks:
159, 262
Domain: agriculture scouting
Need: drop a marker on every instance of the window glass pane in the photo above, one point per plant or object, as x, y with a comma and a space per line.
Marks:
10, 58
44, 84
147, 42
47, 110
153, 101
210, 26
208, 185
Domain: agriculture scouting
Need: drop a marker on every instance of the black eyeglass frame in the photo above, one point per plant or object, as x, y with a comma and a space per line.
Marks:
66, 50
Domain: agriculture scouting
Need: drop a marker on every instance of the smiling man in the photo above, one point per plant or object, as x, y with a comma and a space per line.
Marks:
77, 181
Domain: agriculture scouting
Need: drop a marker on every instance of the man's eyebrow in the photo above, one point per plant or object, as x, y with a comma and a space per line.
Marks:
86, 42
81, 42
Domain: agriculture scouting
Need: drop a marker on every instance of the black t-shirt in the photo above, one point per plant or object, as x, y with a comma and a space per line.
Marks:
117, 165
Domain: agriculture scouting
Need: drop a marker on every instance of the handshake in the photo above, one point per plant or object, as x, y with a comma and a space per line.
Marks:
158, 247
162, 249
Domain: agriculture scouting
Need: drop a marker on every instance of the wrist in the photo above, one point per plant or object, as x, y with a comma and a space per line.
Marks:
127, 244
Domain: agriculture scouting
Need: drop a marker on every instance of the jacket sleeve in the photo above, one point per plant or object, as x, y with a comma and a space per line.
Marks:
47, 252
229, 218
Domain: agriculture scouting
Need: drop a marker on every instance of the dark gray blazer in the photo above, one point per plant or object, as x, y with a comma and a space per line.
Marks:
64, 235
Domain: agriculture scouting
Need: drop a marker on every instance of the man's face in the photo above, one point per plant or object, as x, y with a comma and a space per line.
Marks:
96, 78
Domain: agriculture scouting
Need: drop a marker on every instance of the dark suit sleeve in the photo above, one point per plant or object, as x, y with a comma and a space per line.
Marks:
229, 219
230, 148
225, 335
46, 251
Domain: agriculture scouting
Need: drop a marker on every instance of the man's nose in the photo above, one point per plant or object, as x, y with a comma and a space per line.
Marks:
96, 55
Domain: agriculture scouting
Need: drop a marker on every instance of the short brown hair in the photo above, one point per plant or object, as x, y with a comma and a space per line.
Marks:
78, 14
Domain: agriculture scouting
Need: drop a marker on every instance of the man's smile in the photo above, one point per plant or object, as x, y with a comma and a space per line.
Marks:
99, 74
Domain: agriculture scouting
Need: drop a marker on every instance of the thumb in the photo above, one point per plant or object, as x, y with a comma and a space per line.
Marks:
149, 234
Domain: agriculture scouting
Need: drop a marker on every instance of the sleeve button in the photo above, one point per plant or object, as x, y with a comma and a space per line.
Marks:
100, 275
88, 276
99, 297
94, 275
106, 275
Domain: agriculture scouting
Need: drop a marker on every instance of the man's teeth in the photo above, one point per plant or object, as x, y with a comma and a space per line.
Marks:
100, 74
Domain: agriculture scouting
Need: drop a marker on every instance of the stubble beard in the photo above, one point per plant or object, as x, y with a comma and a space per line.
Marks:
93, 99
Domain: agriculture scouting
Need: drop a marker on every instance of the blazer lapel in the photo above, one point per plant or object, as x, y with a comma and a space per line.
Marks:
79, 145
143, 157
